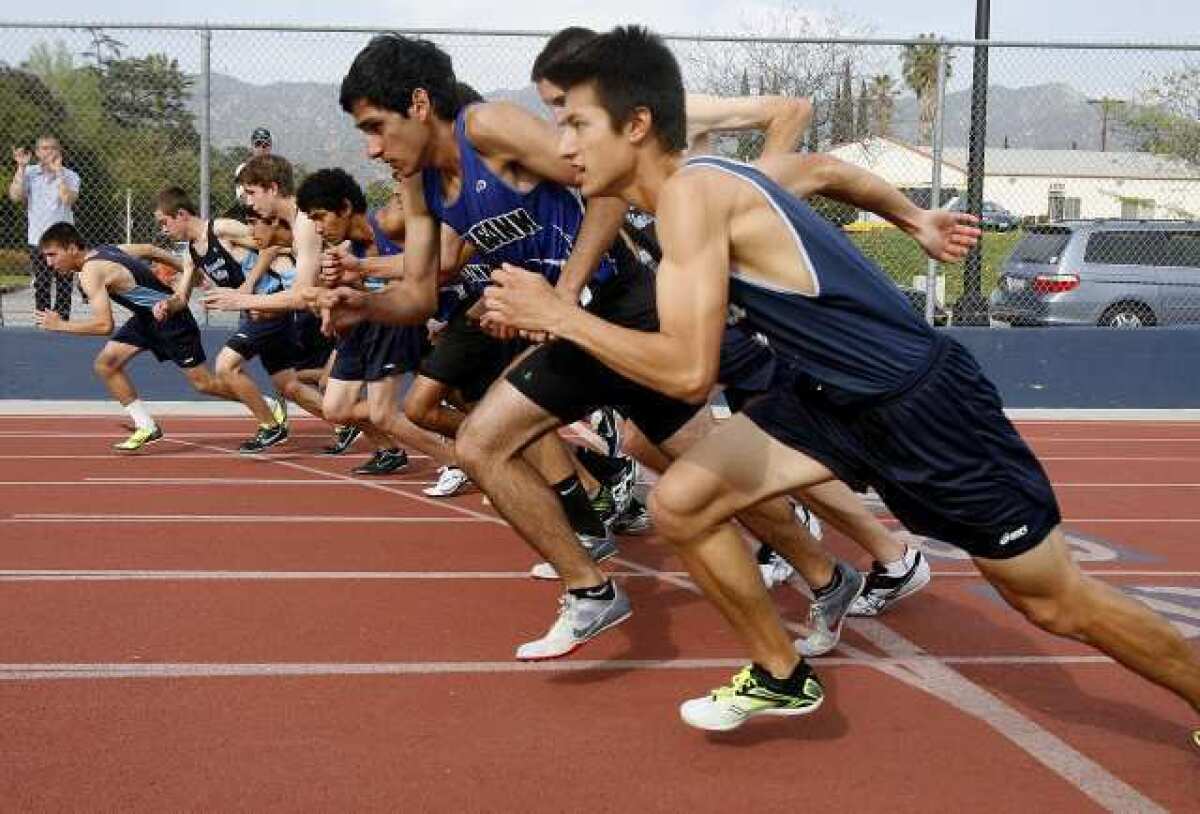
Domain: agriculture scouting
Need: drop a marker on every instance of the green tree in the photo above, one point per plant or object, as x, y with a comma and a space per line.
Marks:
1166, 119
882, 93
862, 117
149, 93
919, 67
842, 122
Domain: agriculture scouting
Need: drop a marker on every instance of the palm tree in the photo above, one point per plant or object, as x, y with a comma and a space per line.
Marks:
919, 67
882, 95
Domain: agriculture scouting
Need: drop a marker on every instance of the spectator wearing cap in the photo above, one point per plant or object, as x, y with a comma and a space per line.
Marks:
260, 144
48, 190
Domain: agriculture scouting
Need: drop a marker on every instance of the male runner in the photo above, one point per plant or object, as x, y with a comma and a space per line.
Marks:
870, 393
213, 254
106, 274
370, 353
492, 173
747, 363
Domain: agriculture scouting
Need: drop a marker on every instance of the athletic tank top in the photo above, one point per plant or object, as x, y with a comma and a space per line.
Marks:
217, 262
535, 230
858, 338
384, 247
272, 281
147, 289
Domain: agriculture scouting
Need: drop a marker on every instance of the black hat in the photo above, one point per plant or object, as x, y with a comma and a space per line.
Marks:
261, 135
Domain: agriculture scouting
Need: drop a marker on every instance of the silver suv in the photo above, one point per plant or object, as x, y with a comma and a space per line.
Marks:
1115, 273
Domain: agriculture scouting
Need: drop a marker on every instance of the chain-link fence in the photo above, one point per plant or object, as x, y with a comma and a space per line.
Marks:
1090, 187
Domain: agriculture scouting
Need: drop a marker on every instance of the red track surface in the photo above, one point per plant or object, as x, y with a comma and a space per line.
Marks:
157, 580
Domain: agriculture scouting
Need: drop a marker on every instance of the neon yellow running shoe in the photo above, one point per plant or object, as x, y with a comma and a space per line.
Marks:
139, 439
278, 409
745, 697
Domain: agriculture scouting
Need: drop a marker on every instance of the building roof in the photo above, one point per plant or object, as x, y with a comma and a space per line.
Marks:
1070, 163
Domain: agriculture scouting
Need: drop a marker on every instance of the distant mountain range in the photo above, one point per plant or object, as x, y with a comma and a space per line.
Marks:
310, 128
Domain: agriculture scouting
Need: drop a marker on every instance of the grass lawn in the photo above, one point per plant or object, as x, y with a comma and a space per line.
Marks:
901, 257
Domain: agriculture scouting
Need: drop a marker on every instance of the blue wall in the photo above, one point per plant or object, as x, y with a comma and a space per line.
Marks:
1033, 367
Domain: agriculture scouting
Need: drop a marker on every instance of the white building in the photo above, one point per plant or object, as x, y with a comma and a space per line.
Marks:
1045, 184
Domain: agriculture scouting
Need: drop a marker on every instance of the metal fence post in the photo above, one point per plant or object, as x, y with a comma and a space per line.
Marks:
935, 192
971, 308
206, 128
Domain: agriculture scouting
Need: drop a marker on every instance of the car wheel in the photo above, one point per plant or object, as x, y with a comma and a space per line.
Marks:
1128, 315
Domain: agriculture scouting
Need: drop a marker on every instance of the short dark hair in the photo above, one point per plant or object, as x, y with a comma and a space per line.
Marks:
328, 189
392, 67
565, 42
62, 234
630, 68
264, 170
467, 95
171, 199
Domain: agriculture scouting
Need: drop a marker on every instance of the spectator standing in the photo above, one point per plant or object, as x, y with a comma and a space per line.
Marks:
260, 144
49, 191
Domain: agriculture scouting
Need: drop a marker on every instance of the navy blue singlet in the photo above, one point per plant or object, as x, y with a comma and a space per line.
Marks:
857, 338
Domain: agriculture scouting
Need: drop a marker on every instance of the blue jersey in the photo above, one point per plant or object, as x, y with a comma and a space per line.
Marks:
857, 338
384, 247
218, 262
272, 281
535, 230
147, 289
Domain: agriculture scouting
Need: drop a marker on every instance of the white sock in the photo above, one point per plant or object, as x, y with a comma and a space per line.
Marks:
898, 568
141, 417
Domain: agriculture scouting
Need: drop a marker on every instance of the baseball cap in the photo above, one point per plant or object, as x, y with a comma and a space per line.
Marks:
261, 135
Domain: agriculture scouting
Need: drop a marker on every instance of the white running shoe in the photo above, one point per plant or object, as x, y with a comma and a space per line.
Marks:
745, 697
451, 481
883, 591
578, 621
776, 570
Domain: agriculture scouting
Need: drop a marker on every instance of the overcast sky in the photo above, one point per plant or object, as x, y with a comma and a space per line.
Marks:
260, 57
1168, 20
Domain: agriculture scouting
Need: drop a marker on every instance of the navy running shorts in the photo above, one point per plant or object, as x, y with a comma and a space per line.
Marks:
314, 346
371, 352
272, 340
747, 366
465, 358
941, 454
568, 383
176, 338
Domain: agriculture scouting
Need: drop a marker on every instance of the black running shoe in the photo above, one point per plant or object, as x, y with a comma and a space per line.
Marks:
343, 438
383, 462
264, 438
634, 520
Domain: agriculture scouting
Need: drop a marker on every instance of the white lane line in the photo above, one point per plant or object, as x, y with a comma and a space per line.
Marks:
86, 670
227, 518
379, 487
167, 575
127, 575
930, 674
1142, 458
184, 456
1158, 439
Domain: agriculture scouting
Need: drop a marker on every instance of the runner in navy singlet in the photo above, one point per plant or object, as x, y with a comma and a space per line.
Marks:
867, 392
373, 353
160, 323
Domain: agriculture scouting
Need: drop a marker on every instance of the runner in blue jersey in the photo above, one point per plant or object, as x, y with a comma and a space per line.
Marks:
866, 390
216, 253
491, 171
373, 353
107, 275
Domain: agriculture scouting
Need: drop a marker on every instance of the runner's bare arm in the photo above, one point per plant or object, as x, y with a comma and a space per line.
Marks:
680, 359
944, 235
233, 230
782, 119
306, 247
91, 280
148, 251
510, 134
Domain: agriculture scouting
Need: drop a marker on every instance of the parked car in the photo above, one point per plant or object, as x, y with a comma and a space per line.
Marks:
993, 216
1115, 273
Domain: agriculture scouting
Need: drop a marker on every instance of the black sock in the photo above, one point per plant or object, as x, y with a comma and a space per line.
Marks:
602, 591
575, 503
835, 582
790, 685
602, 467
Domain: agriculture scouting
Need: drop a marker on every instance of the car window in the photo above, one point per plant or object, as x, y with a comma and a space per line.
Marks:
1127, 248
1042, 246
1182, 249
